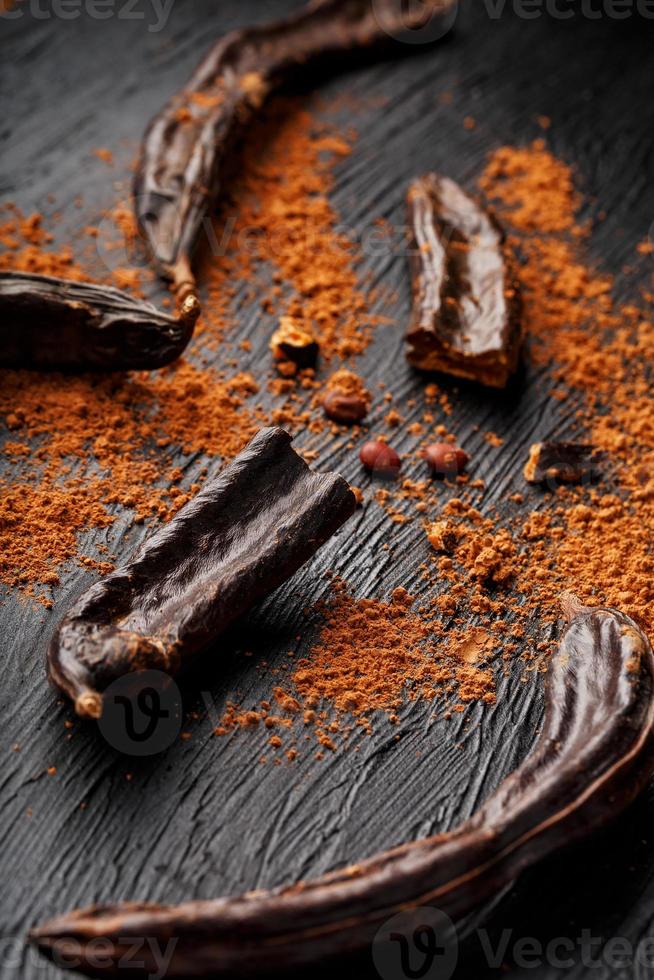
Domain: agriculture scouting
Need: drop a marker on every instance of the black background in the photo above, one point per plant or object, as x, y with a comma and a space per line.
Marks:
204, 818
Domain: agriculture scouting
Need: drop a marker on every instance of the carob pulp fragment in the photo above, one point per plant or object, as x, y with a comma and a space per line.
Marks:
59, 324
294, 342
245, 533
186, 146
566, 462
466, 299
593, 754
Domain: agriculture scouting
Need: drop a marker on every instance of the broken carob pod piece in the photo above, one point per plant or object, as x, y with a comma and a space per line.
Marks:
466, 300
593, 754
187, 145
245, 533
292, 341
560, 462
49, 323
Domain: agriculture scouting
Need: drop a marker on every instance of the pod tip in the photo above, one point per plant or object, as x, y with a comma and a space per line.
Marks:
571, 605
190, 306
89, 704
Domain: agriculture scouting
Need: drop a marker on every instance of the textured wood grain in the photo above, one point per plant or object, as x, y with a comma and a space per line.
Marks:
204, 818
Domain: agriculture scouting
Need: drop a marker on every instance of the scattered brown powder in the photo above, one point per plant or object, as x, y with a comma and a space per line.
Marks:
372, 656
598, 542
283, 217
104, 154
102, 442
506, 573
24, 240
106, 442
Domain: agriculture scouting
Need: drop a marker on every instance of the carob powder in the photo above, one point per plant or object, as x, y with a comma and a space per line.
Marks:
80, 450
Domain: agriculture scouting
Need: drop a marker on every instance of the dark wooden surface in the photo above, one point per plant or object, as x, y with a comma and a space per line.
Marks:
204, 818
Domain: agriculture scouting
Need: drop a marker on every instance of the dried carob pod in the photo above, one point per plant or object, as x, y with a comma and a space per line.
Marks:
245, 533
187, 144
50, 323
593, 754
466, 299
561, 462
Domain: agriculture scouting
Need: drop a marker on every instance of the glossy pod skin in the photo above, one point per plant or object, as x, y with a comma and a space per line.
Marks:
564, 462
57, 324
187, 144
466, 299
593, 754
245, 533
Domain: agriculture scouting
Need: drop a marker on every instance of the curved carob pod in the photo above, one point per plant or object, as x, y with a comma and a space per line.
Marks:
466, 298
245, 533
186, 146
58, 324
594, 753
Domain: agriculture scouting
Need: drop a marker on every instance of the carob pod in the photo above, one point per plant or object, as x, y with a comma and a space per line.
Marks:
53, 323
50, 323
593, 754
245, 533
186, 146
564, 462
466, 299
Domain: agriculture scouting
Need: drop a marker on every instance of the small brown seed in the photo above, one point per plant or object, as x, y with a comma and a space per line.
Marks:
445, 459
341, 407
380, 458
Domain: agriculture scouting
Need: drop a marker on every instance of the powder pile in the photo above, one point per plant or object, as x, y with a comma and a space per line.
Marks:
283, 217
508, 573
593, 540
23, 241
108, 442
371, 656
597, 541
98, 443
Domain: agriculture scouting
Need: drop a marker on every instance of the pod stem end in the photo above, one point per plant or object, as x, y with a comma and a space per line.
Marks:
571, 605
185, 290
190, 309
88, 704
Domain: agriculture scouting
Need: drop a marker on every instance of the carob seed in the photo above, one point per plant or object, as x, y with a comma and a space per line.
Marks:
381, 458
444, 459
344, 408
